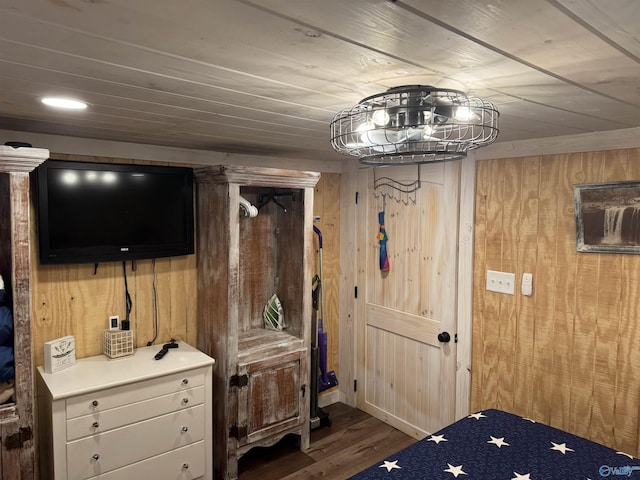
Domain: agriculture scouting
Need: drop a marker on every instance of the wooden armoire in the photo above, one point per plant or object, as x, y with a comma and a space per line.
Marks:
261, 380
17, 457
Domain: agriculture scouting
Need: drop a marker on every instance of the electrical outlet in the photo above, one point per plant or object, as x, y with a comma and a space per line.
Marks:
114, 322
501, 282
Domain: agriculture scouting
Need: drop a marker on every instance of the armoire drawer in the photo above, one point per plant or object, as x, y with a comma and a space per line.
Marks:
114, 397
101, 453
184, 463
106, 420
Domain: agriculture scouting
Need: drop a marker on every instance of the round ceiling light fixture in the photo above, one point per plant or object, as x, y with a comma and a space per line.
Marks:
64, 103
414, 124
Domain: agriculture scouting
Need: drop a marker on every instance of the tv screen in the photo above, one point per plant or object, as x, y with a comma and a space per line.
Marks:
103, 212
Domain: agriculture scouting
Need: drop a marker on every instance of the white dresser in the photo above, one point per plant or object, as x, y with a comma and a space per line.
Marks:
128, 418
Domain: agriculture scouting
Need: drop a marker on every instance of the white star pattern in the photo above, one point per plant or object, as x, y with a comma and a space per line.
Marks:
625, 454
561, 447
477, 416
390, 465
455, 470
521, 477
498, 442
436, 438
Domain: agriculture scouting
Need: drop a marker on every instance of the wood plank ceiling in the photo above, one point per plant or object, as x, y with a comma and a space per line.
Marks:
267, 76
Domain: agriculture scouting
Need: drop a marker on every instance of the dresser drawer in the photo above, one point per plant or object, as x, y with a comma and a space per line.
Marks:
101, 453
106, 420
186, 463
115, 397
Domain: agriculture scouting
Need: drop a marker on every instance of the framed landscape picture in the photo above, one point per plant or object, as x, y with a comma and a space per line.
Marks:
607, 217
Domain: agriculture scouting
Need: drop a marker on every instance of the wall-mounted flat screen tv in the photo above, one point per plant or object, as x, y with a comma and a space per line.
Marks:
104, 212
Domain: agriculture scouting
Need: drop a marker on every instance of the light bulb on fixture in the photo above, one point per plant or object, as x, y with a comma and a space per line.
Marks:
464, 114
380, 117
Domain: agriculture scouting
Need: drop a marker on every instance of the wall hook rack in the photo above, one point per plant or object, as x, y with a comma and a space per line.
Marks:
399, 191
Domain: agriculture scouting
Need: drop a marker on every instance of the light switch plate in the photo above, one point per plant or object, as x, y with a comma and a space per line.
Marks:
501, 282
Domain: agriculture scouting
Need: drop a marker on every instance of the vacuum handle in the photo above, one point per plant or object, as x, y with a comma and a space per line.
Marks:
319, 233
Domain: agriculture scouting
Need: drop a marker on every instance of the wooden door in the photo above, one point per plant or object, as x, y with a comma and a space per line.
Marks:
405, 375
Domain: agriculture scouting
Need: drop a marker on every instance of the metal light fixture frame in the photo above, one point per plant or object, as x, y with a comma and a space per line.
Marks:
414, 124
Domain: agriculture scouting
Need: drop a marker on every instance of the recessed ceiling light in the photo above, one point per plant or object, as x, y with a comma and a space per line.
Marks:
66, 103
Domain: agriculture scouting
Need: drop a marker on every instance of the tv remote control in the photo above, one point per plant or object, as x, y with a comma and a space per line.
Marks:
165, 349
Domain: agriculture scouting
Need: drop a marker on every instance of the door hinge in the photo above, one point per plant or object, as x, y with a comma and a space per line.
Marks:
239, 380
17, 439
455, 338
355, 385
355, 292
357, 197
238, 432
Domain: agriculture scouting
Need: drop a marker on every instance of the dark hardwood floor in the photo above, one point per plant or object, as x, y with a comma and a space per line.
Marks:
354, 441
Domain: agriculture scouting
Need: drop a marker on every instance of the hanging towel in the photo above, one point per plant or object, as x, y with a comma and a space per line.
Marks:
382, 237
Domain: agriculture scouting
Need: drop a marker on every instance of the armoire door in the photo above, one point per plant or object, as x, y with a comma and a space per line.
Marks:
406, 316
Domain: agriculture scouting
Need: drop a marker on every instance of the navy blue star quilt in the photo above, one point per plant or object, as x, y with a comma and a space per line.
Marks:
496, 445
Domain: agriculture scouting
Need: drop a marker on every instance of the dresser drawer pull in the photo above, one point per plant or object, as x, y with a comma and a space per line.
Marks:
185, 466
184, 429
95, 425
185, 401
96, 457
185, 381
94, 403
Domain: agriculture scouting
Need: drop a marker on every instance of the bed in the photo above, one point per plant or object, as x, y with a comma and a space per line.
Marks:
493, 444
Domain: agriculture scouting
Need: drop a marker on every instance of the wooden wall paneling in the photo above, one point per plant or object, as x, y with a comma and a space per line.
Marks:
527, 254
586, 268
607, 320
582, 361
326, 205
512, 173
258, 254
576, 336
491, 308
545, 291
289, 267
349, 254
626, 397
71, 300
483, 180
564, 302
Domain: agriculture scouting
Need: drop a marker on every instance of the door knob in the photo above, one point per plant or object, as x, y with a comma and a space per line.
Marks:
444, 337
